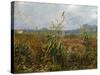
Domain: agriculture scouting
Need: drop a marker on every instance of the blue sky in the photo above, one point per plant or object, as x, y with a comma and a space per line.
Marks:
29, 15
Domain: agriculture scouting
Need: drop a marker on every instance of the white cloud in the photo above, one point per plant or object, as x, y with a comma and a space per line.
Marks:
73, 7
94, 16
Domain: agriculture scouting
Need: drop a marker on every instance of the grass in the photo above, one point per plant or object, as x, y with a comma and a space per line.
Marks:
29, 54
54, 51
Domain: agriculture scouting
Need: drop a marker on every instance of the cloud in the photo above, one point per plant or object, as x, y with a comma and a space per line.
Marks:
94, 16
29, 15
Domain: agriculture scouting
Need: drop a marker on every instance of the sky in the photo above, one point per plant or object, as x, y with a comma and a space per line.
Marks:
30, 15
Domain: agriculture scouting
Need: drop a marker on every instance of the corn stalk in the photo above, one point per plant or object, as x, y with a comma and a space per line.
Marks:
89, 55
54, 47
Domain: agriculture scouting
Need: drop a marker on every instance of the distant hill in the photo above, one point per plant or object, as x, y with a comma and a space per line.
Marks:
90, 28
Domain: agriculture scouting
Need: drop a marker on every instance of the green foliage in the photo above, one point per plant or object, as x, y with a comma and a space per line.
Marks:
55, 67
90, 53
23, 58
54, 47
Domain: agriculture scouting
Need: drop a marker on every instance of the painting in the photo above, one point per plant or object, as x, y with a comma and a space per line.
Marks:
48, 37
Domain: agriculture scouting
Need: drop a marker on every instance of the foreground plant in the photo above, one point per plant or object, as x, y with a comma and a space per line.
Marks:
54, 48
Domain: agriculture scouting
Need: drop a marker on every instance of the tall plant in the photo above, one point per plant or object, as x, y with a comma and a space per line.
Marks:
89, 55
54, 47
85, 37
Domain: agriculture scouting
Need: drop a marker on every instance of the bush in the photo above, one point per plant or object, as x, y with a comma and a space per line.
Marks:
23, 58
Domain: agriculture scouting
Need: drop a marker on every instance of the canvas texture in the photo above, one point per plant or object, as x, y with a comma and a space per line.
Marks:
47, 37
